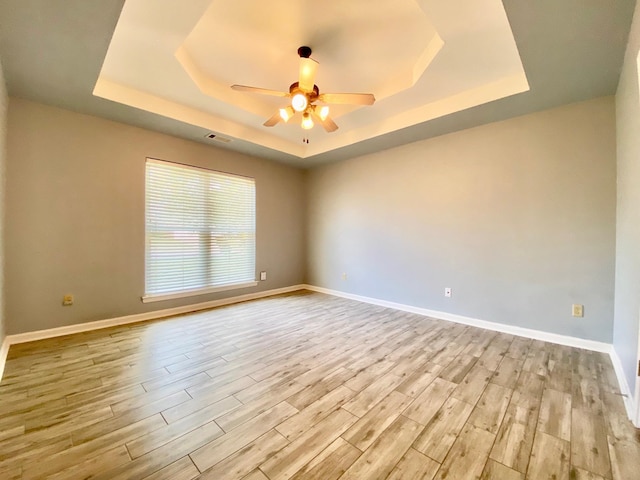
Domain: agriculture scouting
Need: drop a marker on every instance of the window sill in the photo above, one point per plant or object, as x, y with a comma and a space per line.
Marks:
192, 293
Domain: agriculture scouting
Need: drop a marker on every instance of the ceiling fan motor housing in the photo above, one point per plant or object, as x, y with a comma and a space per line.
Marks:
312, 96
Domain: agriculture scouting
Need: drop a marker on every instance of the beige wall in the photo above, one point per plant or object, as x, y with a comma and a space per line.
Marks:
517, 217
75, 216
627, 306
4, 101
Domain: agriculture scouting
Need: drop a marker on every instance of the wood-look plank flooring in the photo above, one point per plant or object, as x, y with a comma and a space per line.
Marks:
308, 386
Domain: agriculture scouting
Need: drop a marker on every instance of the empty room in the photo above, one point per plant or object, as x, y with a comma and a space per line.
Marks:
319, 240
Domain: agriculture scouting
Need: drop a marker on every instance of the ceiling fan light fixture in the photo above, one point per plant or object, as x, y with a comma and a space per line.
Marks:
299, 102
286, 113
307, 121
324, 112
304, 93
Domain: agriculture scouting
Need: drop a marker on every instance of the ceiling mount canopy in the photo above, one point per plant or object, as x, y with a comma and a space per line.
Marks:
304, 93
304, 52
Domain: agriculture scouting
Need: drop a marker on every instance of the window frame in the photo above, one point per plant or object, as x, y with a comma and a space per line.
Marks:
156, 297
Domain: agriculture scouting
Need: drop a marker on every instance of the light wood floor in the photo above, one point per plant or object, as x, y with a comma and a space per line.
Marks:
308, 386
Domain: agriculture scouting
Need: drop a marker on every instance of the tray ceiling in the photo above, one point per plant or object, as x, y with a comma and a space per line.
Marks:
53, 52
422, 59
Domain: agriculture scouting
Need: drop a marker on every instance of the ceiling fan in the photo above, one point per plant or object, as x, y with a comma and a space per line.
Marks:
304, 93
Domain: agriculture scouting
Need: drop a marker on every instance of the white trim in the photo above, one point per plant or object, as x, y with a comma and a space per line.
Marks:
474, 322
160, 297
630, 401
636, 403
636, 416
4, 351
140, 317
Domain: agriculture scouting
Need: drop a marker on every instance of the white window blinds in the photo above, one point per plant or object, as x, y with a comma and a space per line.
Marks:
200, 230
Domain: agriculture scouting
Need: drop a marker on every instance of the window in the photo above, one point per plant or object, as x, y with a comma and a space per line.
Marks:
200, 231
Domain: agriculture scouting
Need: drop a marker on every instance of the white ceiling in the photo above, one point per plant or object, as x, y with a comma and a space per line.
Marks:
52, 52
422, 59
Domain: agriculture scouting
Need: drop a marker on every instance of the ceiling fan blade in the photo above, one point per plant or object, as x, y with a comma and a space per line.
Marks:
261, 91
273, 120
307, 77
348, 98
328, 124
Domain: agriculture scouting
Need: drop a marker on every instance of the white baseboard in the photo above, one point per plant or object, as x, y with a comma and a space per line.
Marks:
630, 400
139, 317
635, 404
474, 322
4, 351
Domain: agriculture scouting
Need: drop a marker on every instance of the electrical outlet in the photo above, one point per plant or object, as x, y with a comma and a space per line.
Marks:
344, 276
577, 310
263, 275
447, 292
67, 300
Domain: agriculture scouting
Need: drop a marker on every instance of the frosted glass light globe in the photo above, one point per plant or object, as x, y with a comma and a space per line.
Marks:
299, 102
